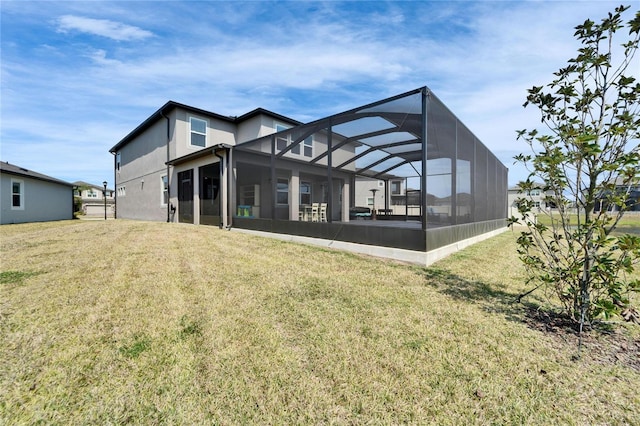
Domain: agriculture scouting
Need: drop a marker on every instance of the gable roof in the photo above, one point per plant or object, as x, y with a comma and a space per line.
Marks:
80, 183
170, 105
12, 169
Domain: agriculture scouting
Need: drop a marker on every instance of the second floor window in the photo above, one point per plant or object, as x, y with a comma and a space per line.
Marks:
308, 147
198, 132
395, 187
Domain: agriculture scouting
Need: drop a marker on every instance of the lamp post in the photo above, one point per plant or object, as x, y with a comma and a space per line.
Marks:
104, 197
373, 213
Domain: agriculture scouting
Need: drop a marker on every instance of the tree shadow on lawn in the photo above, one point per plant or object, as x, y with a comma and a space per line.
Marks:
606, 343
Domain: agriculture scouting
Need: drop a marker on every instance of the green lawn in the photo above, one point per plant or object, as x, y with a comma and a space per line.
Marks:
132, 322
628, 222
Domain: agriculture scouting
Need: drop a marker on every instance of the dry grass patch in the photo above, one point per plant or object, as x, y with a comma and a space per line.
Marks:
135, 322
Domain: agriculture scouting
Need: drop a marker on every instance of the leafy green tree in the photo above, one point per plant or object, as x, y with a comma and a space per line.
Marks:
588, 160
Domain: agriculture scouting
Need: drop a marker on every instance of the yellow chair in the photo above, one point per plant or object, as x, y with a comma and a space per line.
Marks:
323, 212
314, 212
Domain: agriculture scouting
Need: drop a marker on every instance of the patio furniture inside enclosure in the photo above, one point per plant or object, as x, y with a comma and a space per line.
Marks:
406, 158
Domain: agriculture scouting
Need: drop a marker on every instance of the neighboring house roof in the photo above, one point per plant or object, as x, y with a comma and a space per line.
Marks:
90, 185
12, 169
170, 105
536, 185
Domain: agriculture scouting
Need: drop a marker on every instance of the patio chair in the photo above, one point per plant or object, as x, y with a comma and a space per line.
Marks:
323, 212
315, 212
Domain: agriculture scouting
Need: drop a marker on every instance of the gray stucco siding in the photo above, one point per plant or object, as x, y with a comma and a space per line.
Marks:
138, 182
42, 200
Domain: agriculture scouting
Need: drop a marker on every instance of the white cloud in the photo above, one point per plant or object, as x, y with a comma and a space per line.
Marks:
102, 27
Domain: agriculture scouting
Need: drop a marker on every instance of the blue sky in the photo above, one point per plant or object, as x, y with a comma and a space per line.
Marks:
77, 76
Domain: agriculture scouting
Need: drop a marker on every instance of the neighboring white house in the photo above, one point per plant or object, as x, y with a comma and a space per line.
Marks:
28, 196
537, 195
92, 199
384, 196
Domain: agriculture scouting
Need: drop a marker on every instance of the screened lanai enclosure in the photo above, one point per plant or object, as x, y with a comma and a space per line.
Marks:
431, 180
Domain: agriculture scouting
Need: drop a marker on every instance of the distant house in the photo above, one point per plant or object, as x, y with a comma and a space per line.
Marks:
537, 195
92, 199
28, 196
633, 198
387, 197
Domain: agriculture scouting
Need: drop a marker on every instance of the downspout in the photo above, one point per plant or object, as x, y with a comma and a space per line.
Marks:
168, 166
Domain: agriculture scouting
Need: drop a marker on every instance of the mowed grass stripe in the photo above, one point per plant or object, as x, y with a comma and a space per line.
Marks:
137, 322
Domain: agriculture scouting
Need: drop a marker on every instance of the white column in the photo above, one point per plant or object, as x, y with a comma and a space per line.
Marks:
294, 204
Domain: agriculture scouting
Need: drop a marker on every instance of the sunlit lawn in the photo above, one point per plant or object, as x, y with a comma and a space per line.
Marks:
133, 322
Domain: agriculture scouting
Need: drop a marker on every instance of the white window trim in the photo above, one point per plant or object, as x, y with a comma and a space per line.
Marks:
162, 190
305, 145
205, 134
21, 206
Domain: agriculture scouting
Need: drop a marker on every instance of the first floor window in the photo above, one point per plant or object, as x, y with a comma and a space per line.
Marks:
305, 193
17, 194
370, 201
165, 190
283, 191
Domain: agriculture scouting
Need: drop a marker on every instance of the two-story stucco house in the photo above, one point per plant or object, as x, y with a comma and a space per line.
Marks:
265, 172
93, 200
28, 196
537, 195
168, 168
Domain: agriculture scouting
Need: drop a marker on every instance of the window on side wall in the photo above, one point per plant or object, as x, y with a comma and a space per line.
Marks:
283, 191
17, 194
165, 190
118, 160
198, 129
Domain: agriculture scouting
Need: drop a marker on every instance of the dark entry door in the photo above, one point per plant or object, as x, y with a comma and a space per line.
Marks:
210, 194
185, 196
